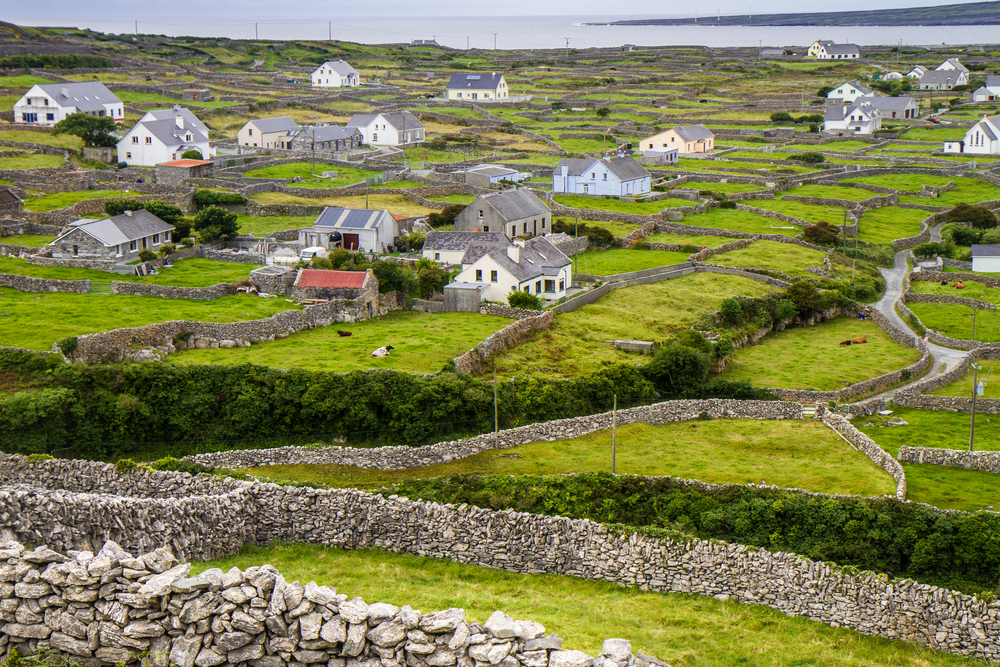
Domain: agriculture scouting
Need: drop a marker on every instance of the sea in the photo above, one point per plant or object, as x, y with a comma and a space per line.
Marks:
520, 32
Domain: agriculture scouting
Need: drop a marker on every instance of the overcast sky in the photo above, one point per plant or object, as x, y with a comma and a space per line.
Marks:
51, 11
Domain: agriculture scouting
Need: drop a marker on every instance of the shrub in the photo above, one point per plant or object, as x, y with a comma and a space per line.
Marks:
166, 249
213, 222
678, 371
187, 241
731, 311
809, 158
192, 154
147, 255
965, 235
430, 281
929, 249
781, 117
445, 216
603, 112
806, 298
979, 218
206, 197
696, 341
67, 345
992, 237
393, 277
822, 233
525, 300
726, 205
94, 130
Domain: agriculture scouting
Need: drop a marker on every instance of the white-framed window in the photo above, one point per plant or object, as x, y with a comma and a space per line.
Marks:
437, 257
479, 275
128, 156
250, 131
135, 140
156, 238
149, 140
131, 246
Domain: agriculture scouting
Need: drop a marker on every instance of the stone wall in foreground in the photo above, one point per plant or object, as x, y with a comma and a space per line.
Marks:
987, 461
117, 608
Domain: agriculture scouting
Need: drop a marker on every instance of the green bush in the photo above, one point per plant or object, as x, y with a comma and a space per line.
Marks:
213, 223
192, 154
166, 249
678, 371
526, 300
928, 249
67, 345
822, 233
209, 197
147, 255
979, 218
431, 281
809, 158
781, 117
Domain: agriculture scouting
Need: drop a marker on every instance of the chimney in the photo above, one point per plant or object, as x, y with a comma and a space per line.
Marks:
65, 90
514, 252
128, 213
179, 120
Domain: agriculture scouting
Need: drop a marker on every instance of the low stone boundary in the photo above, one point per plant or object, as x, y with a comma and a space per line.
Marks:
869, 448
397, 458
35, 285
943, 276
171, 292
985, 461
759, 277
921, 297
510, 336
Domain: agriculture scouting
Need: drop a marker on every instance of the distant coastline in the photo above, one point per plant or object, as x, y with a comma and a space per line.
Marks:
977, 14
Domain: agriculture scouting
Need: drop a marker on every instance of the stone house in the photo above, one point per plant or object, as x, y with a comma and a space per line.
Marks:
176, 172
395, 128
512, 212
352, 229
361, 287
477, 86
917, 72
47, 104
10, 203
268, 132
197, 95
534, 266
335, 74
325, 137
450, 247
616, 176
120, 238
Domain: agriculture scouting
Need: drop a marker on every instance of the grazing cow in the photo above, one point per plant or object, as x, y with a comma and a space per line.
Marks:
859, 341
382, 351
342, 334
845, 342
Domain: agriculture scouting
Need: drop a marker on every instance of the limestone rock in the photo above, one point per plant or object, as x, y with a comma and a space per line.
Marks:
563, 658
442, 621
500, 625
184, 650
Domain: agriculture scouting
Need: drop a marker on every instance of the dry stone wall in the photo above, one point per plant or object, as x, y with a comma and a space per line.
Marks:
170, 292
869, 448
986, 461
115, 608
36, 285
508, 337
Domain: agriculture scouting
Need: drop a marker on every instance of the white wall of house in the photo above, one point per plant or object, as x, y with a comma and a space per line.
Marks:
444, 256
36, 107
976, 142
501, 92
485, 271
325, 76
251, 136
599, 180
380, 132
142, 148
986, 264
846, 92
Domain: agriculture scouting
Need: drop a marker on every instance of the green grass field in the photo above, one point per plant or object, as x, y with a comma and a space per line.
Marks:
966, 191
955, 321
683, 629
972, 290
963, 387
728, 188
27, 240
31, 161
809, 212
264, 225
46, 138
35, 321
576, 344
741, 221
790, 259
619, 205
790, 453
424, 344
397, 204
696, 240
829, 192
812, 358
51, 202
623, 260
345, 175
883, 225
194, 272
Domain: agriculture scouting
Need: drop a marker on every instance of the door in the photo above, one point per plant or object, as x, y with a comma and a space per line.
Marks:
351, 241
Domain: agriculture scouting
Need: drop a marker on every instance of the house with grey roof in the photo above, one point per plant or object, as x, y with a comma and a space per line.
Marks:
985, 258
891, 107
324, 137
942, 79
847, 92
153, 141
120, 238
533, 265
983, 138
513, 212
485, 175
267, 132
171, 114
393, 128
352, 229
856, 118
824, 49
335, 74
989, 92
473, 86
617, 176
48, 103
685, 139
450, 247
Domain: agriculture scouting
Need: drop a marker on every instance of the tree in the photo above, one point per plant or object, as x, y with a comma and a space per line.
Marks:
979, 218
168, 213
806, 297
781, 117
213, 222
825, 90
822, 233
678, 370
430, 281
445, 216
525, 300
929, 249
94, 130
393, 277
192, 155
603, 112
731, 311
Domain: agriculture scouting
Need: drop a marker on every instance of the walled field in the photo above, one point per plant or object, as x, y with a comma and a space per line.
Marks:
883, 225
955, 321
27, 240
790, 259
812, 358
31, 161
963, 387
802, 454
424, 344
972, 290
394, 203
741, 221
622, 260
313, 178
259, 225
35, 321
194, 272
684, 630
50, 202
576, 344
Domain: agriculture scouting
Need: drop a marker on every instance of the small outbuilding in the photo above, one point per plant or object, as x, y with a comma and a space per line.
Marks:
10, 203
175, 172
986, 258
361, 287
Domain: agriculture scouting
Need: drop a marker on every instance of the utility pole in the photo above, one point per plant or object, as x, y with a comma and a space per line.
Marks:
256, 35
975, 378
466, 42
760, 48
614, 433
329, 31
494, 41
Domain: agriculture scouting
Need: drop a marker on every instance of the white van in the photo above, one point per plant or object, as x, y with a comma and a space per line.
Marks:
312, 252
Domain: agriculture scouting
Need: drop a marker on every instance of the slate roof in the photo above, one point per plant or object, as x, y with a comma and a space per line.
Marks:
474, 81
514, 204
538, 257
326, 133
456, 241
121, 228
352, 218
326, 278
171, 114
625, 168
394, 118
340, 67
993, 81
693, 132
887, 103
492, 170
279, 124
842, 49
857, 85
940, 76
985, 128
170, 135
954, 63
84, 95
979, 250
576, 166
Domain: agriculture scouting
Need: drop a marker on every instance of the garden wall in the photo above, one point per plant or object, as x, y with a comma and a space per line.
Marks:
510, 336
869, 448
34, 285
986, 461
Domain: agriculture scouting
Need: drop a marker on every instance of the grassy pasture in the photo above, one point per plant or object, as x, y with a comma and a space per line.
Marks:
792, 260
31, 161
345, 175
955, 321
194, 272
264, 225
393, 203
50, 202
808, 212
812, 358
623, 260
829, 192
741, 221
424, 344
883, 225
46, 138
683, 629
972, 290
621, 205
27, 240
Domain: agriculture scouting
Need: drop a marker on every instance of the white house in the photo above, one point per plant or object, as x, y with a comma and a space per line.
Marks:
336, 74
47, 104
534, 266
989, 92
824, 49
619, 176
268, 132
478, 86
353, 229
983, 138
917, 72
847, 92
485, 175
986, 258
953, 65
891, 107
152, 141
395, 128
685, 139
450, 247
171, 114
858, 118
942, 79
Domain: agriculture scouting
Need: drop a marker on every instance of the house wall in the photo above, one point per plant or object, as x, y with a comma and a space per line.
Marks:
325, 77
251, 136
39, 102
846, 92
469, 220
167, 175
444, 256
141, 148
379, 132
986, 264
599, 180
87, 247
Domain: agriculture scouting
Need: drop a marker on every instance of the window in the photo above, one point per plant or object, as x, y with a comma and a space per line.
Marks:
527, 288
166, 237
374, 137
131, 246
250, 131
494, 277
479, 275
30, 117
550, 286
486, 228
543, 223
525, 228
149, 140
156, 238
480, 214
76, 251
562, 285
538, 287
50, 116
128, 156
135, 140
437, 257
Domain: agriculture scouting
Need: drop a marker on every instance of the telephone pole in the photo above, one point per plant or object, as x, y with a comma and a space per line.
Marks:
494, 41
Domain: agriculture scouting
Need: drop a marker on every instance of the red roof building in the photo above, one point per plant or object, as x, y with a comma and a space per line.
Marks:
332, 279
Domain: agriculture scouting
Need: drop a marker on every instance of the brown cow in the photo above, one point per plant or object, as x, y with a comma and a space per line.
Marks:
959, 285
343, 333
859, 341
845, 342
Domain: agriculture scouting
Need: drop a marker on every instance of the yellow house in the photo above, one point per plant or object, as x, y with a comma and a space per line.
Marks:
685, 138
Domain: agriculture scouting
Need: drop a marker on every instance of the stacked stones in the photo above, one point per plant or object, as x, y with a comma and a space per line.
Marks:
988, 461
116, 608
